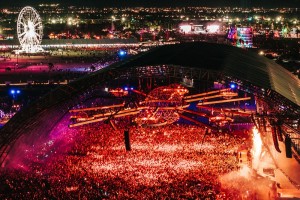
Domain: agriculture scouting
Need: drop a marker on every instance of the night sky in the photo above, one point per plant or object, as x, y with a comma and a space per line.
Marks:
158, 3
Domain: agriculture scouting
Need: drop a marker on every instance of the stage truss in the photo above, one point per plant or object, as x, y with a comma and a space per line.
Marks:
165, 105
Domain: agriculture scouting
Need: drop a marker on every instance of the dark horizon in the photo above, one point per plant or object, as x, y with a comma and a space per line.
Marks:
158, 3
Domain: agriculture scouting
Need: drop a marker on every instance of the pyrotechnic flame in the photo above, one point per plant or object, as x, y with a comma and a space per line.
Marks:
256, 148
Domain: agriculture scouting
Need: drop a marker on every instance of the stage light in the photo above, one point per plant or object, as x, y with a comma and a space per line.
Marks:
232, 86
213, 28
185, 28
126, 88
122, 53
18, 91
12, 91
131, 88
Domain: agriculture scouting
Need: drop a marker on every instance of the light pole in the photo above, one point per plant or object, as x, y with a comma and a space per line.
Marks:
17, 53
113, 18
14, 93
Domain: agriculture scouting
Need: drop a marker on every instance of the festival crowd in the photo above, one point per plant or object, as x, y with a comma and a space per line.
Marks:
176, 161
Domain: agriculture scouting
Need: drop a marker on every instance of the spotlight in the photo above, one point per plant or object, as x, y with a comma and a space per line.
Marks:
12, 91
122, 53
232, 86
126, 88
18, 91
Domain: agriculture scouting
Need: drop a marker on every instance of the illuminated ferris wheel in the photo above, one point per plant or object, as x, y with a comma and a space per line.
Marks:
30, 30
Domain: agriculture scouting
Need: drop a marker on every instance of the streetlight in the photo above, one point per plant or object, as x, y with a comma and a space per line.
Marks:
17, 64
113, 18
14, 93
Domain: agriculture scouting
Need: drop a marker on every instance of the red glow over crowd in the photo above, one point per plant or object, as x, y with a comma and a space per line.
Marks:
176, 161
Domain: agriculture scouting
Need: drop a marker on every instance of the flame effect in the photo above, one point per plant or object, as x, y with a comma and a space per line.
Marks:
256, 149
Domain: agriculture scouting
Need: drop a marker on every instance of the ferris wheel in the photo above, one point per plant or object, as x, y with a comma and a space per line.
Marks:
30, 30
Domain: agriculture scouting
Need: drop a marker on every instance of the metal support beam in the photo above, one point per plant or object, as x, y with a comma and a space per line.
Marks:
225, 101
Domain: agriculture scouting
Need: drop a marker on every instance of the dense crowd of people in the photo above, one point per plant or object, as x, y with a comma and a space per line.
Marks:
177, 161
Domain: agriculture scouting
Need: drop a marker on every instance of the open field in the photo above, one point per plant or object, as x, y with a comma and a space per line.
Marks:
23, 68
